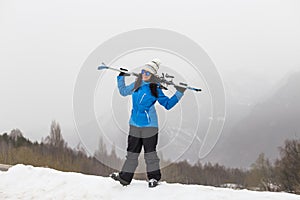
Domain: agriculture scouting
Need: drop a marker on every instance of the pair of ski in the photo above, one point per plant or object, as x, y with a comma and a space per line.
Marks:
162, 80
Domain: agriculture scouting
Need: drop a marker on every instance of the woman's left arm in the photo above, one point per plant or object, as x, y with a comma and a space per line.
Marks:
167, 102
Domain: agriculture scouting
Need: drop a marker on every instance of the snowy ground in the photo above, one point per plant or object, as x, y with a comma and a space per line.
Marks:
27, 182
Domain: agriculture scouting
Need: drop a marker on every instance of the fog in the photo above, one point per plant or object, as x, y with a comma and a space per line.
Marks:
254, 44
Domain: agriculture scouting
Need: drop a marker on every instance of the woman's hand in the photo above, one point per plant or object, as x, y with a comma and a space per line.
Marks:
123, 73
180, 89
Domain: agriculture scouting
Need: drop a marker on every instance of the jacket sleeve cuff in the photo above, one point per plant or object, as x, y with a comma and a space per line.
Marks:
178, 95
120, 77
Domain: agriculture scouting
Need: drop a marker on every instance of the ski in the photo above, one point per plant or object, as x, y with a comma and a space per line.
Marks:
103, 66
162, 80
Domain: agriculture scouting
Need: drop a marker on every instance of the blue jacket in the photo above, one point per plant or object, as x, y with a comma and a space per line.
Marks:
143, 113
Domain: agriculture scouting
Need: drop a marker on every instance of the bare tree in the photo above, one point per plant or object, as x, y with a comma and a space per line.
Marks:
289, 166
55, 138
15, 134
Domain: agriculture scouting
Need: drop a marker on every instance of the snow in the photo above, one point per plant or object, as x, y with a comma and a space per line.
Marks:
27, 182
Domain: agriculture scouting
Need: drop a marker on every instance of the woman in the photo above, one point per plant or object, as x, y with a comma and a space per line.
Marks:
143, 131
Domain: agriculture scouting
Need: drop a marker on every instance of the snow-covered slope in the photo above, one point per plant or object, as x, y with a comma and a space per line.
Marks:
27, 182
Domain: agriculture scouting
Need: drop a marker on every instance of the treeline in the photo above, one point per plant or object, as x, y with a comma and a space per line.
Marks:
53, 152
282, 175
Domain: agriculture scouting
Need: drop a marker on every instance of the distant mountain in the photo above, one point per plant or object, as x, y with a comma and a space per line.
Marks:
264, 129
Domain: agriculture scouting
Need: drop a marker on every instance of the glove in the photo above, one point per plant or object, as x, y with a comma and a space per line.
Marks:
122, 73
180, 89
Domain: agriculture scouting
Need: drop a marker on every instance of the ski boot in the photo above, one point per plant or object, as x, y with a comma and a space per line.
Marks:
117, 177
152, 183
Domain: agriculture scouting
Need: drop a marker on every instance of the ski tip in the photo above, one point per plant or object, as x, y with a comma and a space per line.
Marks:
195, 89
102, 67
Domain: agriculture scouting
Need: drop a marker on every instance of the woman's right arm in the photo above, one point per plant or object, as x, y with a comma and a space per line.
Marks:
123, 89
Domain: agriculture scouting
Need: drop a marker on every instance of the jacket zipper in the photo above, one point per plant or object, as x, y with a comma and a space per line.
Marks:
142, 97
145, 110
147, 116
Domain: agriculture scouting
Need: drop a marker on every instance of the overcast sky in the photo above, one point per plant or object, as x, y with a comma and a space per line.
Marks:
43, 44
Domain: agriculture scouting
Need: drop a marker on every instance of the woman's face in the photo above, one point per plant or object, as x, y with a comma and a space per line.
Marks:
146, 75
